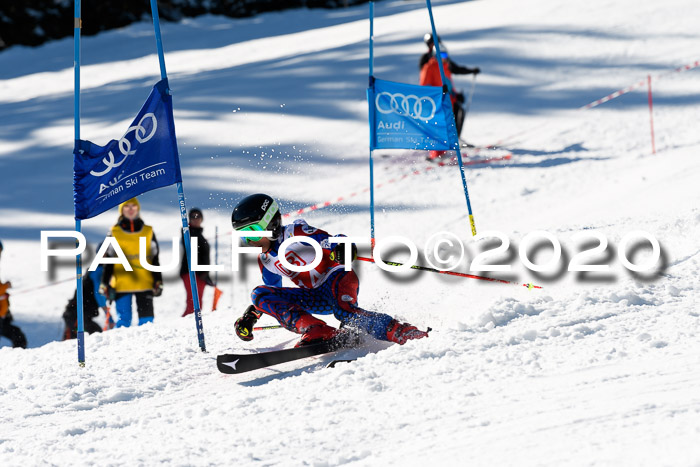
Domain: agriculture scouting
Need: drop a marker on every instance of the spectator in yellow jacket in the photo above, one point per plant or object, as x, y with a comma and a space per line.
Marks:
140, 283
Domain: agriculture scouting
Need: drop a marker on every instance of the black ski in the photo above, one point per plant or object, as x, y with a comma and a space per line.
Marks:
240, 363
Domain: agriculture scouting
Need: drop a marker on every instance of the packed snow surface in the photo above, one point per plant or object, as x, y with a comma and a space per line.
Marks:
594, 368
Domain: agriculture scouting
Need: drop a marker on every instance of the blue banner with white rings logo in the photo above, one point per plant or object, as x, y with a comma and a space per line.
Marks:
144, 159
407, 116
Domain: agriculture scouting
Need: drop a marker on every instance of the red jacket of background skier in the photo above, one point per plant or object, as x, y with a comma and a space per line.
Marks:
430, 76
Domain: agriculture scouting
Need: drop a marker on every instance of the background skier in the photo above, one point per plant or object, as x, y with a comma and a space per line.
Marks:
430, 76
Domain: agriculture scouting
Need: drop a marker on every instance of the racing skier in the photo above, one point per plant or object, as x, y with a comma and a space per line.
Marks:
326, 289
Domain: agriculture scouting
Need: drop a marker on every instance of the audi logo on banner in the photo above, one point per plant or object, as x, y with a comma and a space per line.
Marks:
418, 108
125, 145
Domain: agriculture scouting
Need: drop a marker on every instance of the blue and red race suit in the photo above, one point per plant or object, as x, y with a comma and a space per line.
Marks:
324, 290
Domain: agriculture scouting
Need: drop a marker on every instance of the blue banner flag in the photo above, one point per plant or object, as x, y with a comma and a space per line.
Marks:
406, 116
144, 159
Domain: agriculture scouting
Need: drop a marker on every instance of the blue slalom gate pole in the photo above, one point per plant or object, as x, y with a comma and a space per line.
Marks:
453, 127
77, 25
371, 126
181, 196
193, 280
436, 44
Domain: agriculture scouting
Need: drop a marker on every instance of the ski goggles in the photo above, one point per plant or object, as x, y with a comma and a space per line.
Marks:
261, 225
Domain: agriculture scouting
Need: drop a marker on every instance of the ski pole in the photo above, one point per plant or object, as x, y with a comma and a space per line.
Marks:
466, 105
469, 100
262, 328
451, 273
109, 321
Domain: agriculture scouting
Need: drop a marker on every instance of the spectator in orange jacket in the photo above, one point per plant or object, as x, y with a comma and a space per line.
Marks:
7, 329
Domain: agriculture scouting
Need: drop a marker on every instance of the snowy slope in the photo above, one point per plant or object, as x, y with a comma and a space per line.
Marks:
592, 369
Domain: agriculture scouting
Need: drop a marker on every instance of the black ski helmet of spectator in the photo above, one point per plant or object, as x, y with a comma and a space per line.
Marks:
196, 213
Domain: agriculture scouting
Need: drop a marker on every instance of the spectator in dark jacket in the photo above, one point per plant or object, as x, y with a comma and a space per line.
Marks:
203, 279
92, 302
